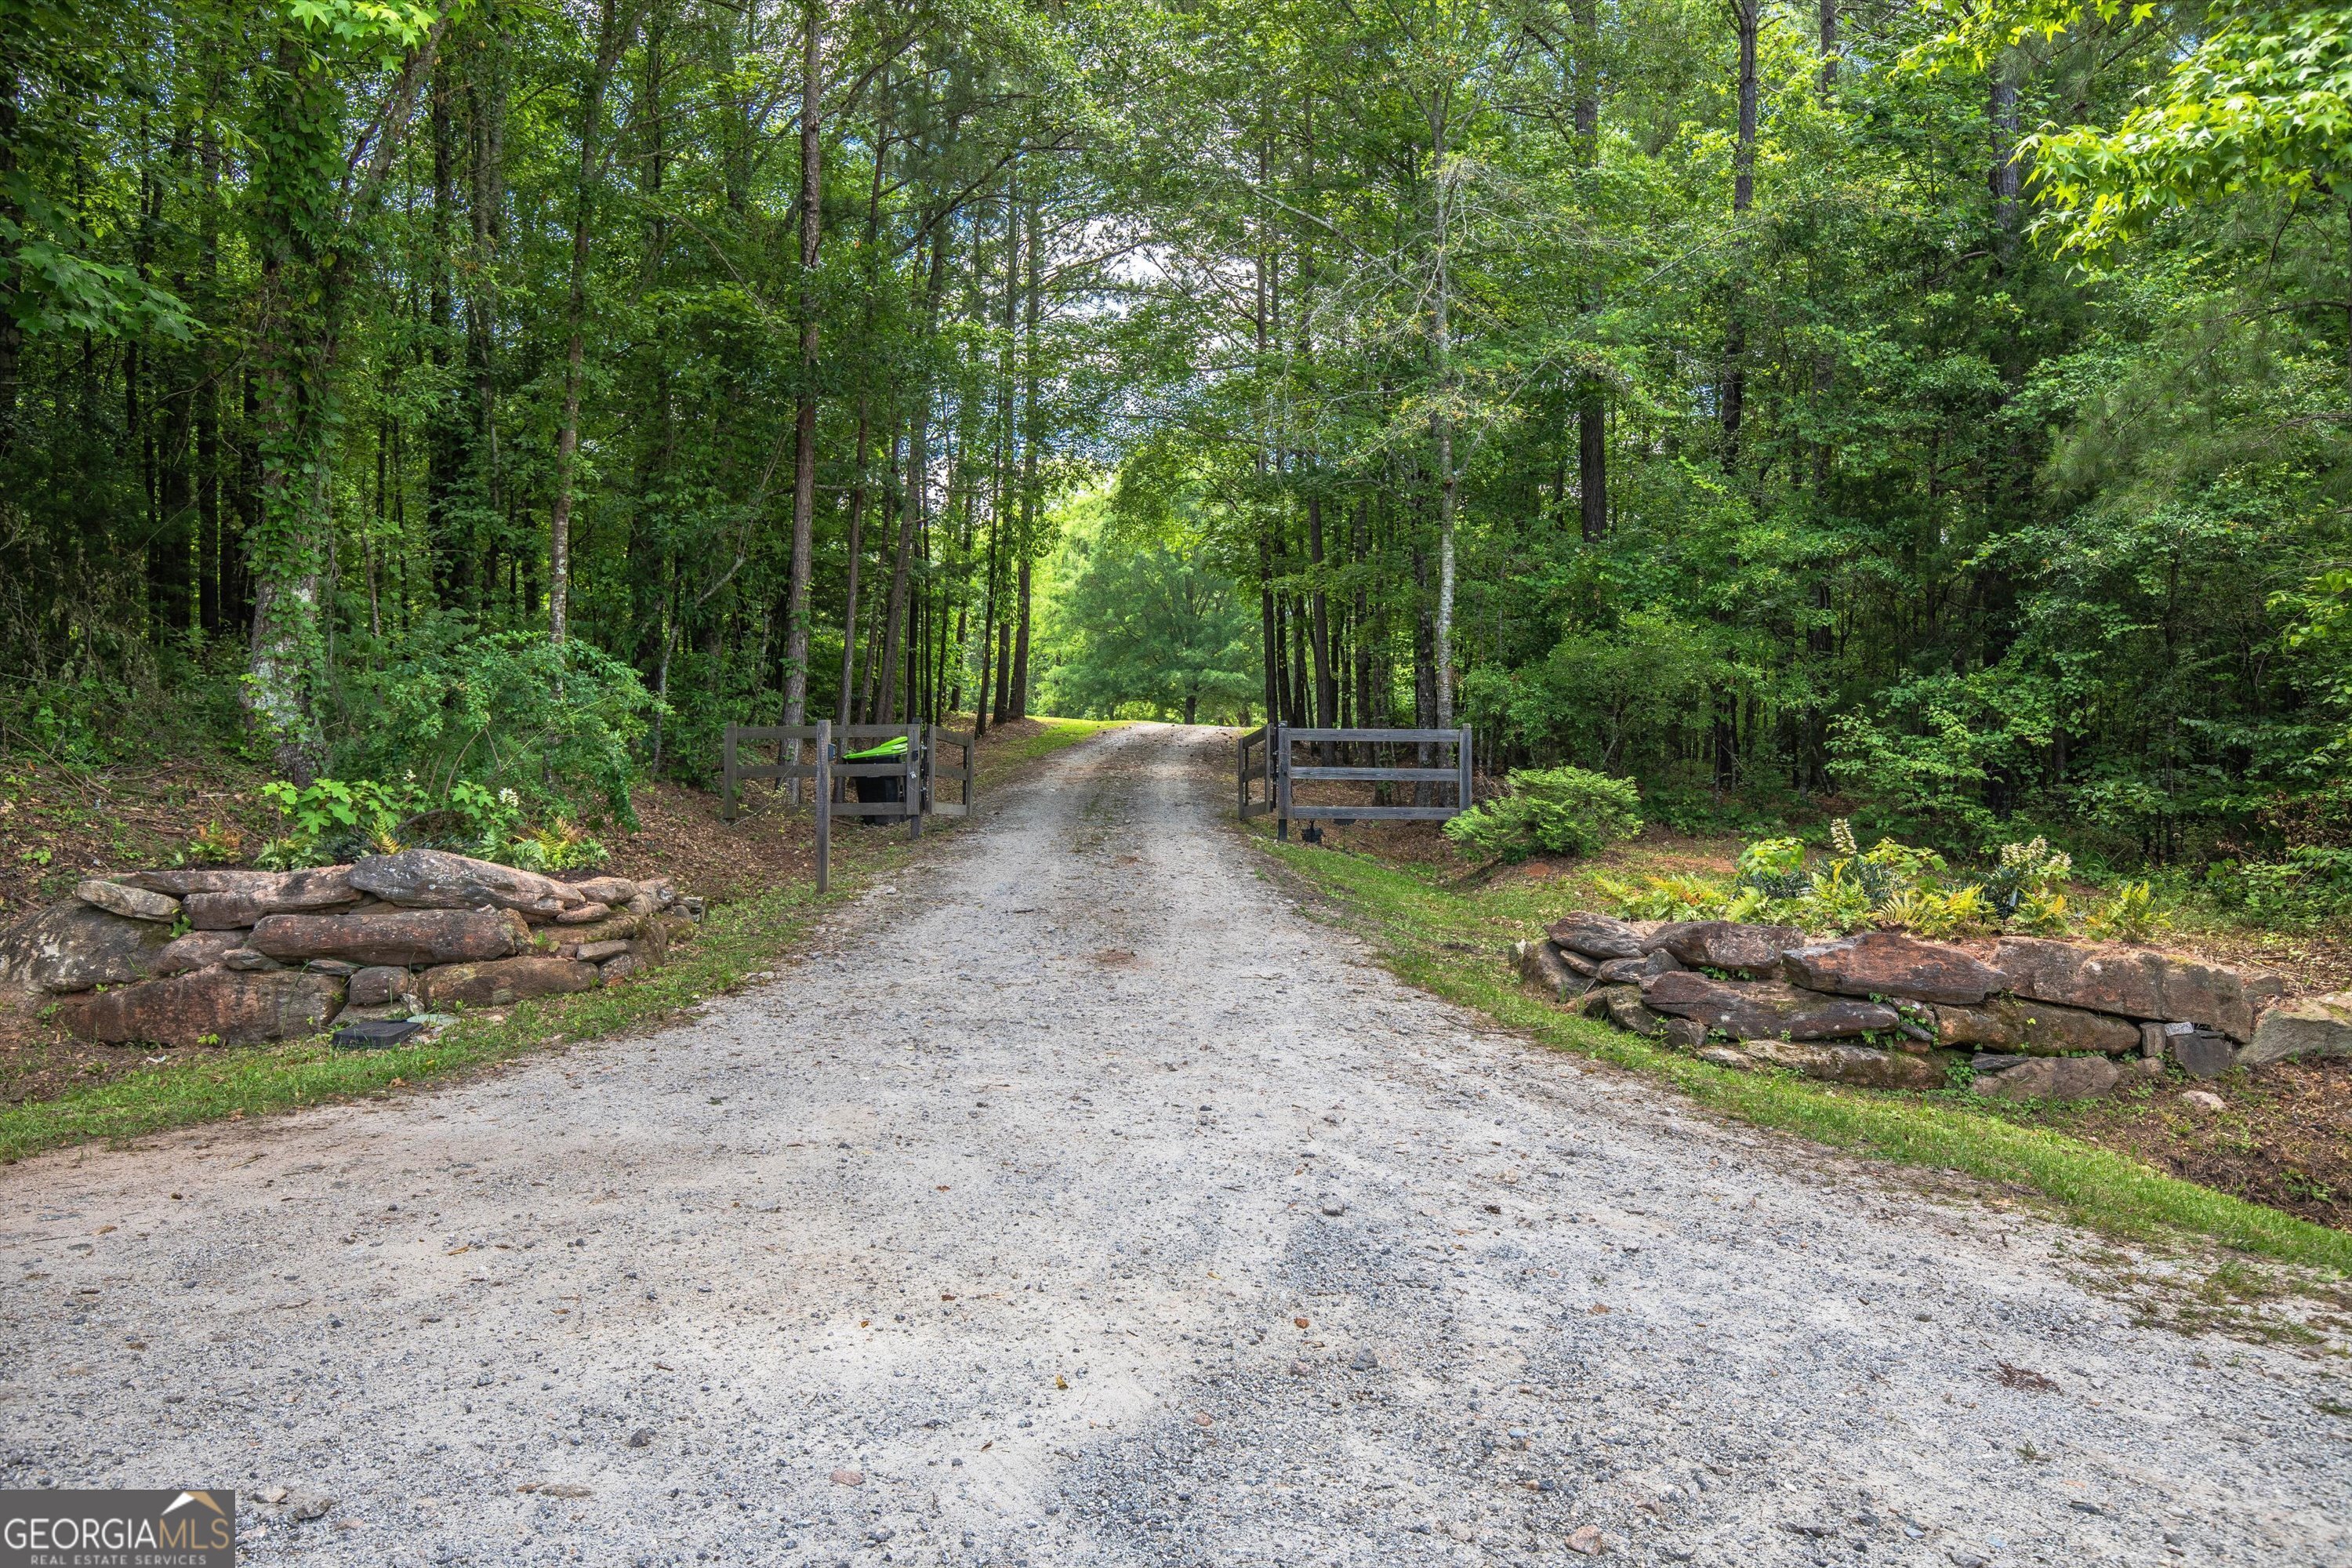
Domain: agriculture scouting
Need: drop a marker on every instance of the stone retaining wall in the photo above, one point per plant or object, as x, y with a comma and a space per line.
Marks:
228, 957
2036, 1018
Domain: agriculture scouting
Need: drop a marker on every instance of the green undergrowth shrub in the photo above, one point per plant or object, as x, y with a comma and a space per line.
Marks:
1892, 887
560, 727
1559, 811
2310, 886
329, 821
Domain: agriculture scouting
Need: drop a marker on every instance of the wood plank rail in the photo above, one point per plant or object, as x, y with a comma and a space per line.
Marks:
1275, 772
918, 769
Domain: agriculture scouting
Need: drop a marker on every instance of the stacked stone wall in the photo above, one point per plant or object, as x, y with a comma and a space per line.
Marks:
2033, 1019
226, 957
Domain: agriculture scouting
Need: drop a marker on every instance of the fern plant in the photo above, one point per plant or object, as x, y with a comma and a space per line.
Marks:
2130, 916
1684, 895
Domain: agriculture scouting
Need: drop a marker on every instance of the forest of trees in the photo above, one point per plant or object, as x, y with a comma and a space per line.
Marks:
1941, 406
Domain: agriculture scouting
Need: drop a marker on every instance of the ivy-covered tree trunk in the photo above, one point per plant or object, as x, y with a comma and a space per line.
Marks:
297, 163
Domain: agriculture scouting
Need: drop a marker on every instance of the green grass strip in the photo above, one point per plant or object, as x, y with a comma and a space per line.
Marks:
1423, 928
737, 939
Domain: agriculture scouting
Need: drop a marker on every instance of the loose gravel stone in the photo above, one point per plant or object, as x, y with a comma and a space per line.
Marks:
939, 1209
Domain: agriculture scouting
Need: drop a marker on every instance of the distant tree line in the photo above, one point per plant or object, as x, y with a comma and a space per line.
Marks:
1940, 407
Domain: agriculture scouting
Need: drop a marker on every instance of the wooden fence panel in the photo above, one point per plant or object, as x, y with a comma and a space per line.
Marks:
919, 771
1281, 774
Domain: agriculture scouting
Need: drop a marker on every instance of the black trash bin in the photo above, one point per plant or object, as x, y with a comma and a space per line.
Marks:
890, 787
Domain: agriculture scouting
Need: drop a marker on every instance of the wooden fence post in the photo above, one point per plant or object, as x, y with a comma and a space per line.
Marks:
1461, 757
1278, 777
913, 792
823, 805
727, 772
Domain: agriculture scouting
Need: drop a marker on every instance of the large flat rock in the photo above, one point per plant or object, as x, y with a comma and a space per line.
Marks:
197, 950
189, 880
275, 894
389, 936
436, 879
75, 946
613, 890
131, 903
1890, 963
210, 1007
1861, 1065
2052, 1077
1762, 1009
2133, 983
1596, 936
505, 980
1730, 945
2035, 1028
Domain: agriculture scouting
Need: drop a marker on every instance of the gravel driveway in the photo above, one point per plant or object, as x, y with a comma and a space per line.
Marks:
1078, 1202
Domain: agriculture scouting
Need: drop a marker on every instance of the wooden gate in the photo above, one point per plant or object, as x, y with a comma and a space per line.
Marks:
1276, 770
919, 768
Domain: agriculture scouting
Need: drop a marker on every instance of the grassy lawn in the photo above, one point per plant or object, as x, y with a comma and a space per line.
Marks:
1451, 936
738, 939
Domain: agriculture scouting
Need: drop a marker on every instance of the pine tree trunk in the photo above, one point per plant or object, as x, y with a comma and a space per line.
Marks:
918, 470
609, 44
1030, 498
1744, 15
444, 420
455, 578
796, 601
1448, 480
12, 333
2002, 178
1003, 670
859, 481
1326, 685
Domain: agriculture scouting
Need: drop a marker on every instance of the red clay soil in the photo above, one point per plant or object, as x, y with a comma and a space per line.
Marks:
2284, 1140
58, 825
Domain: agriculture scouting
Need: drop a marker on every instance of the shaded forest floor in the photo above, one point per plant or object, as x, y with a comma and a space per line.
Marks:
60, 825
2283, 1139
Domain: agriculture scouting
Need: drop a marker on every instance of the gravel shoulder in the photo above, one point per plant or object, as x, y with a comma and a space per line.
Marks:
1078, 1200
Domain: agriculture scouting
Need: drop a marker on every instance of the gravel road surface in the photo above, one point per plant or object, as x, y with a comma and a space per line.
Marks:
1079, 1200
